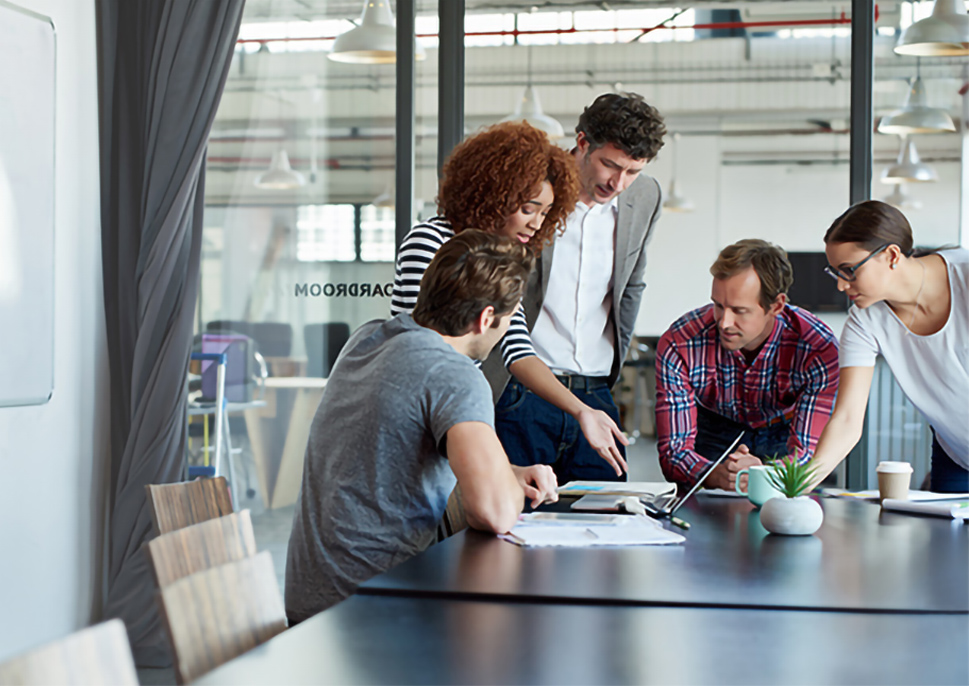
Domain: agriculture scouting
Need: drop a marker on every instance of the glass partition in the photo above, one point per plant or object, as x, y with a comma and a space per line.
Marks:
917, 147
298, 242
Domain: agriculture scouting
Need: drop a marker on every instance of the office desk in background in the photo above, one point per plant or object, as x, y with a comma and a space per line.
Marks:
279, 432
861, 559
396, 640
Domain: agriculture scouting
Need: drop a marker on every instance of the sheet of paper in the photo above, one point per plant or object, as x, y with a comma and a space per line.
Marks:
584, 532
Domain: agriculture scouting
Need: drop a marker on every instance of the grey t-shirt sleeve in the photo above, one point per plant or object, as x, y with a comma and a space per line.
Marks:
457, 393
858, 346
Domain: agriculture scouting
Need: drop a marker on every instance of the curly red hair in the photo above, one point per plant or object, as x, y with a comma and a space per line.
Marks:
490, 175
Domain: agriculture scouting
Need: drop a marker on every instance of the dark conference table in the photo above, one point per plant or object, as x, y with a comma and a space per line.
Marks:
399, 640
862, 559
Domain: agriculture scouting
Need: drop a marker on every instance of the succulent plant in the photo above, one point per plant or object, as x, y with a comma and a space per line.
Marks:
789, 476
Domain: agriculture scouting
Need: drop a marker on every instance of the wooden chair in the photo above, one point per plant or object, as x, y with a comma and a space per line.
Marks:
220, 613
97, 655
201, 546
175, 506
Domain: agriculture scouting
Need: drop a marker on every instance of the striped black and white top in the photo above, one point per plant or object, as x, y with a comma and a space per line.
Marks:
416, 252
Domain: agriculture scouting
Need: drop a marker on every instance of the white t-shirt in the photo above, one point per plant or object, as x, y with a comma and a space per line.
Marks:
933, 371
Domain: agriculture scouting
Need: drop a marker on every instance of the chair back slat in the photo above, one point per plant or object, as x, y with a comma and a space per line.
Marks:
220, 613
97, 655
201, 546
175, 506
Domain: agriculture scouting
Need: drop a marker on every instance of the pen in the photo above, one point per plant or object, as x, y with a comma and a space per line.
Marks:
680, 523
515, 539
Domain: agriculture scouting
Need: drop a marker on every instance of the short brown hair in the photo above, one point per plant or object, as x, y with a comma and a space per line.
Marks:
768, 260
490, 175
470, 272
627, 121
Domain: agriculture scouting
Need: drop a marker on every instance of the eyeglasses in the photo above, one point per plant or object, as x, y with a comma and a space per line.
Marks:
850, 273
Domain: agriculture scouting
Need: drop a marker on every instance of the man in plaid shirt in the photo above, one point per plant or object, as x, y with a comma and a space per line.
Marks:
749, 361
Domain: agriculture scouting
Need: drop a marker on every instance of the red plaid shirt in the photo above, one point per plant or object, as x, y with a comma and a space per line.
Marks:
795, 376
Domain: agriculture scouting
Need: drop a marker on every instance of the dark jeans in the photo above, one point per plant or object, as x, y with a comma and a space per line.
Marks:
946, 475
534, 431
714, 433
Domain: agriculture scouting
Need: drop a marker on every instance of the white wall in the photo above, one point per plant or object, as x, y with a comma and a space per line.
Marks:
53, 457
789, 204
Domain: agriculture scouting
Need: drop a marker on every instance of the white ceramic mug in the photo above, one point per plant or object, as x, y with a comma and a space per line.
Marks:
759, 488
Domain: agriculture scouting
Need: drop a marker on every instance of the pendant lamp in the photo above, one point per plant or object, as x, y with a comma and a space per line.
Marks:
909, 168
945, 33
916, 116
373, 40
902, 200
529, 109
280, 176
675, 202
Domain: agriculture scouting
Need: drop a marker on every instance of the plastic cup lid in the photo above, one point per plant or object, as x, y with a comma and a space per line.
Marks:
894, 467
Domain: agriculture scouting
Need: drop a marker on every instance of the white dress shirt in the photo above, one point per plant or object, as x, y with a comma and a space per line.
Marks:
573, 333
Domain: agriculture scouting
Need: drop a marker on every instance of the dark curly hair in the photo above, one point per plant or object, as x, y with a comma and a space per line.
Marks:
490, 175
626, 121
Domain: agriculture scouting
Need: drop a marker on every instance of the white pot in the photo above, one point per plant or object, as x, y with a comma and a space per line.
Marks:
799, 516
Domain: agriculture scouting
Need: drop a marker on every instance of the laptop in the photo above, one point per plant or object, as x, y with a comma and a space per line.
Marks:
666, 505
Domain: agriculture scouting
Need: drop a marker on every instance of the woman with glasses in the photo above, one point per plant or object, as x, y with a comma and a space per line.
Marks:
912, 308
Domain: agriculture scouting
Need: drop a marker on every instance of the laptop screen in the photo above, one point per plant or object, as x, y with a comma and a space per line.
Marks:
674, 505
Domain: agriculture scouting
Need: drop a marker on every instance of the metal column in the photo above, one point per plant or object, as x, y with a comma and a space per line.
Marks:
862, 78
450, 90
406, 19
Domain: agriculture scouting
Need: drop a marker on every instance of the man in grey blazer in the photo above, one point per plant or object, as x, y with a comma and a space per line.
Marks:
583, 297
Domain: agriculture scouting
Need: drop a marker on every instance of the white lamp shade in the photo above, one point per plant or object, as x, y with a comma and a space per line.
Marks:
280, 176
675, 202
909, 167
945, 33
529, 110
374, 41
902, 200
916, 116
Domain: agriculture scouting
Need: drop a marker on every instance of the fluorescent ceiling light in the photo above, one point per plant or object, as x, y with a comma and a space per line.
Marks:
944, 33
916, 116
280, 176
374, 40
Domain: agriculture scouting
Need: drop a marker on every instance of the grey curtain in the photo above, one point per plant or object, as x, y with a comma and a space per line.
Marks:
162, 66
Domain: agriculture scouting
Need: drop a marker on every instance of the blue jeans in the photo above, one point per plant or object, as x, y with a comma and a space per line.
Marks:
714, 433
534, 431
946, 475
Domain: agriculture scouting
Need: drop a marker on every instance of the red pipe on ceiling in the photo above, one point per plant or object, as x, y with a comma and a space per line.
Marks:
842, 20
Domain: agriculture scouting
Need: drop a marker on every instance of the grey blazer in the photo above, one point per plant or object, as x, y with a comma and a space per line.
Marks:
639, 209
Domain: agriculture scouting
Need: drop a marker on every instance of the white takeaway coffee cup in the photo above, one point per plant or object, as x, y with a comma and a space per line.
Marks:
894, 479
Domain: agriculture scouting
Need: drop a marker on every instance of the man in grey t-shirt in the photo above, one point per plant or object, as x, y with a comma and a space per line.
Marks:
405, 415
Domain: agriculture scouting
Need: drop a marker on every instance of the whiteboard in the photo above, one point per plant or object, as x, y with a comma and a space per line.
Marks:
26, 207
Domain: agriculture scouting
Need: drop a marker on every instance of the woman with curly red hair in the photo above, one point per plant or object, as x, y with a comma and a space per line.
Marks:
509, 180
